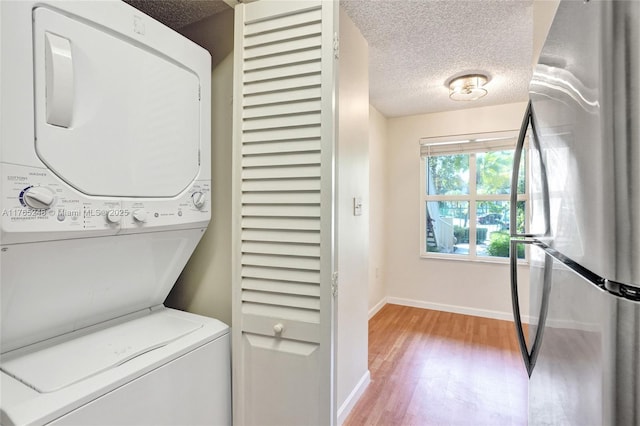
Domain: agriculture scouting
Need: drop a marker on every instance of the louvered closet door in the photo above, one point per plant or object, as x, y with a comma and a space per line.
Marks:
283, 207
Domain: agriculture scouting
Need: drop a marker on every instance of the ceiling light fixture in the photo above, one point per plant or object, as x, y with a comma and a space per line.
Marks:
468, 87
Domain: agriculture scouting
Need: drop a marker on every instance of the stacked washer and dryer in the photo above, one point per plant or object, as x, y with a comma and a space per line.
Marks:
105, 168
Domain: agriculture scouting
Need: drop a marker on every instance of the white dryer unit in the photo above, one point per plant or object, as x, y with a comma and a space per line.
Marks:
105, 168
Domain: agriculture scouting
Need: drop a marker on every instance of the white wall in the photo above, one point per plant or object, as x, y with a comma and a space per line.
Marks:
377, 220
353, 231
204, 287
214, 33
460, 286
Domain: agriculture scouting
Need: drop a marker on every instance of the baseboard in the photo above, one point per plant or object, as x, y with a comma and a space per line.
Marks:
377, 307
485, 313
353, 397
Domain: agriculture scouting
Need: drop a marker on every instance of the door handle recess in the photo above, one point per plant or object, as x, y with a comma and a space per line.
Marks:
59, 80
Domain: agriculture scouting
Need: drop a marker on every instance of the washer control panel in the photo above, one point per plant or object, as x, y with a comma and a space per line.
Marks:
36, 201
160, 213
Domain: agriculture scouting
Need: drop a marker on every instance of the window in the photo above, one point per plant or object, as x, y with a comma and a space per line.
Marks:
465, 189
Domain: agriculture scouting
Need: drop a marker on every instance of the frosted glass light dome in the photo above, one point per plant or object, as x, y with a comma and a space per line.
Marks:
467, 87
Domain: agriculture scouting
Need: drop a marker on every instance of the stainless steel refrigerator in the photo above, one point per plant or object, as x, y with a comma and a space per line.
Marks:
581, 347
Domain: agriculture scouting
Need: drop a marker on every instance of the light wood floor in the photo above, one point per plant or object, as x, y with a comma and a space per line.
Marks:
438, 368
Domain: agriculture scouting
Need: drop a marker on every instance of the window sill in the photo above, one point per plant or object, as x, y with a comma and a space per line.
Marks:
461, 258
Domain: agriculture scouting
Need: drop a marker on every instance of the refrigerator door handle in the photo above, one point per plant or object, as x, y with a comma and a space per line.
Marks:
513, 252
527, 120
544, 309
513, 210
529, 358
515, 305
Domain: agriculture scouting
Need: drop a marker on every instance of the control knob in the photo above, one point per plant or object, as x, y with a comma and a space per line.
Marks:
198, 199
38, 197
140, 216
113, 217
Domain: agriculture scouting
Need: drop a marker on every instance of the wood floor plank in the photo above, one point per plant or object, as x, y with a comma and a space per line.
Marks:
438, 368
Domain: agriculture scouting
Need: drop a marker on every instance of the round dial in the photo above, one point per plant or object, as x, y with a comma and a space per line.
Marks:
140, 215
38, 197
113, 217
198, 199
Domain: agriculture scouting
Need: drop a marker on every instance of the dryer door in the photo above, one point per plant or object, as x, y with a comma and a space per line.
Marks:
113, 117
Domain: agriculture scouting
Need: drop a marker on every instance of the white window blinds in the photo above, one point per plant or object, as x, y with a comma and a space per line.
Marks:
469, 143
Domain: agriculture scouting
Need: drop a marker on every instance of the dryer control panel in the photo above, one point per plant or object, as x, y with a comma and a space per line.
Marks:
38, 206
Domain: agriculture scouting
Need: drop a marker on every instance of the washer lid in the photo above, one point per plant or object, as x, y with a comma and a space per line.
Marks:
61, 365
113, 116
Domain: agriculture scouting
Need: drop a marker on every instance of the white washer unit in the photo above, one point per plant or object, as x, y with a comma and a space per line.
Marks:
105, 168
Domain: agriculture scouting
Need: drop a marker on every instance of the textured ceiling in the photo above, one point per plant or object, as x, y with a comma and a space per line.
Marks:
179, 13
415, 46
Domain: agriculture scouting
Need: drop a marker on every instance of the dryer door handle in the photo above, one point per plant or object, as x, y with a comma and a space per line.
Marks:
59, 83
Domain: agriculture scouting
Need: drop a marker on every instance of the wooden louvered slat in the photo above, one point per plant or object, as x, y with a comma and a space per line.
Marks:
278, 261
285, 59
269, 135
286, 287
293, 120
273, 49
282, 211
309, 28
304, 171
281, 147
280, 299
296, 82
312, 277
291, 198
278, 185
302, 237
265, 99
312, 67
288, 249
286, 159
282, 223
311, 13
294, 314
282, 109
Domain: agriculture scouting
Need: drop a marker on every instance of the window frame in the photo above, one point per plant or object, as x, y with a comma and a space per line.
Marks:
471, 144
